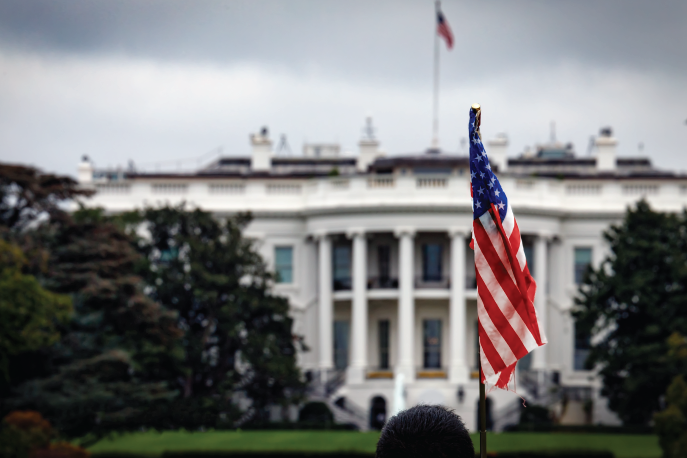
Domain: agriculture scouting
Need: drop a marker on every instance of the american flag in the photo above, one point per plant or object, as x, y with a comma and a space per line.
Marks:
443, 29
508, 325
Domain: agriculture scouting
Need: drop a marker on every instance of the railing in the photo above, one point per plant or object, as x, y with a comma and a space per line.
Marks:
640, 189
342, 284
339, 185
379, 373
583, 189
382, 283
423, 282
431, 372
170, 188
227, 188
283, 188
435, 190
431, 182
381, 182
113, 188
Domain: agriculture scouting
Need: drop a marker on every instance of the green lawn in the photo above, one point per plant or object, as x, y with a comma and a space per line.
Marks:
153, 444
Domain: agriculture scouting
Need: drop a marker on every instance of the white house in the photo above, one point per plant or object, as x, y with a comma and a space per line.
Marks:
372, 253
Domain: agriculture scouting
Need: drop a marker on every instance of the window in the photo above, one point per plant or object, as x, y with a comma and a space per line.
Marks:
582, 347
431, 262
341, 332
529, 255
342, 267
168, 255
283, 264
383, 344
383, 264
432, 343
583, 259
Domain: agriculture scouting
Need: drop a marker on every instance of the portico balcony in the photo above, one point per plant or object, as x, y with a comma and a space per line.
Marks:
382, 283
342, 284
438, 282
431, 373
379, 373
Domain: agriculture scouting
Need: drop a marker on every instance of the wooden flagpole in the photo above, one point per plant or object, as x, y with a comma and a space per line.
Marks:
483, 417
482, 387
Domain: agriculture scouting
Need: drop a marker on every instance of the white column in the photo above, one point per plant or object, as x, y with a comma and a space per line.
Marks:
458, 369
325, 315
406, 306
359, 334
540, 299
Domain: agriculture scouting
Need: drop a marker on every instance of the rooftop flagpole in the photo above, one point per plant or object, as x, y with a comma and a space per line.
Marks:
435, 123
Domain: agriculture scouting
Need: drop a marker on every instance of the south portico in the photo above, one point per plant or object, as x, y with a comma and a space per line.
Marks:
415, 317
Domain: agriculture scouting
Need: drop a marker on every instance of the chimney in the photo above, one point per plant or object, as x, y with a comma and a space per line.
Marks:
605, 150
85, 171
498, 152
261, 159
369, 147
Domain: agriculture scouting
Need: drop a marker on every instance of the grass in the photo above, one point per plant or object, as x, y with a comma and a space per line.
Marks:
153, 444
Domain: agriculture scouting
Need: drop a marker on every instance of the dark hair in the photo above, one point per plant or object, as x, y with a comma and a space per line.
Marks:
425, 432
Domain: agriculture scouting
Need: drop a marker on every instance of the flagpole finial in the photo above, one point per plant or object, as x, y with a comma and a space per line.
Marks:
475, 106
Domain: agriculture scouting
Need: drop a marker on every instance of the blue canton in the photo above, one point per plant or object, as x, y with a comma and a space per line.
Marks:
486, 189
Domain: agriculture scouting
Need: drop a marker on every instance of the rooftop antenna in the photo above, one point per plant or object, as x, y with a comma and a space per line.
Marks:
592, 142
553, 131
283, 146
368, 130
463, 141
640, 147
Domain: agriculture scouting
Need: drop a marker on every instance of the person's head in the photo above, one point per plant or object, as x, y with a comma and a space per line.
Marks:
425, 432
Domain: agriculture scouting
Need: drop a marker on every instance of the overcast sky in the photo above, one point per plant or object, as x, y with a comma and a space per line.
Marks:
165, 80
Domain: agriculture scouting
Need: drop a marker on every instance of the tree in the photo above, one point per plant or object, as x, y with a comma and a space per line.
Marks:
671, 423
29, 314
26, 194
631, 303
238, 335
120, 349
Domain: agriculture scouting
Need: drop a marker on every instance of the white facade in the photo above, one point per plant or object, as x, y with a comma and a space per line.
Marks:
406, 304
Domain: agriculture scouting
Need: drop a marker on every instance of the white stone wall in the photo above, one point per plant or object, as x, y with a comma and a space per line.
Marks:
560, 214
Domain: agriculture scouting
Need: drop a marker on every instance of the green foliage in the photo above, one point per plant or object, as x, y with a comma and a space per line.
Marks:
634, 300
315, 412
671, 423
29, 314
24, 432
26, 194
238, 335
535, 415
119, 350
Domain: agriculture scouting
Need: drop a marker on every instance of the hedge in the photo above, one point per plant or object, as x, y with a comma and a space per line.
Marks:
191, 454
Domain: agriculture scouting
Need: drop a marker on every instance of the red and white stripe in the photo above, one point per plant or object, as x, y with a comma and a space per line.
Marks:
508, 323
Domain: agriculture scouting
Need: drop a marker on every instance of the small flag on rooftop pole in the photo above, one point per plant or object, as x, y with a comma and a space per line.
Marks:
508, 325
443, 29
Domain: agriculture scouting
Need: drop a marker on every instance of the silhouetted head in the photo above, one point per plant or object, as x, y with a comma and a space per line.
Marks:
425, 432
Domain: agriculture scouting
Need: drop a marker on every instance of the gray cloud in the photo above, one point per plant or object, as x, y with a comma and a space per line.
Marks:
154, 80
390, 40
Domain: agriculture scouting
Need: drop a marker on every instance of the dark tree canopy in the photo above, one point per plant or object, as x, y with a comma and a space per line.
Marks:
238, 335
26, 193
671, 423
120, 349
633, 302
29, 314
